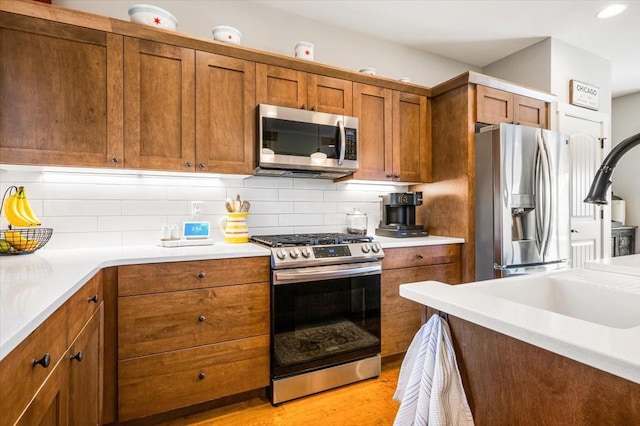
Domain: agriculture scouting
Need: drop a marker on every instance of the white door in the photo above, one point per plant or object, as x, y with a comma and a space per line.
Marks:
590, 224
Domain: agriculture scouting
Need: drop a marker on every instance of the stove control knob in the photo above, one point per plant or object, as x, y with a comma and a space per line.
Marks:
281, 253
306, 252
294, 253
365, 248
376, 247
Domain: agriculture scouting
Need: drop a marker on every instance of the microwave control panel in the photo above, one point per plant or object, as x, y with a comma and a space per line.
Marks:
351, 144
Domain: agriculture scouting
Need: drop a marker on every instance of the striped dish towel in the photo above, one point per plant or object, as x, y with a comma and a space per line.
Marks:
429, 388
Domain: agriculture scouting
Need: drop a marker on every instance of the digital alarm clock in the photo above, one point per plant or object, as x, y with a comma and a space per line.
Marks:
195, 230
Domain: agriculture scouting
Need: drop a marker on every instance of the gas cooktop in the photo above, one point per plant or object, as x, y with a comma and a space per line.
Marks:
290, 240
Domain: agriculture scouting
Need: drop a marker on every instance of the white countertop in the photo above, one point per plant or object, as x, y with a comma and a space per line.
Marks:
33, 286
608, 348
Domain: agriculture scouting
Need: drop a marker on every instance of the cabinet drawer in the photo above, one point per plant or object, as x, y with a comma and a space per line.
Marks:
163, 382
162, 322
83, 305
420, 256
20, 378
172, 276
398, 330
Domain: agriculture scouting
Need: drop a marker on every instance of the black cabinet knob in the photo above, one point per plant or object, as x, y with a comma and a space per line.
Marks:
201, 318
202, 376
201, 165
201, 274
188, 164
94, 299
304, 106
44, 361
420, 256
114, 160
78, 357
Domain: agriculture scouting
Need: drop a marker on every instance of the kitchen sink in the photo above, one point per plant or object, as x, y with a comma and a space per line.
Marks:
608, 299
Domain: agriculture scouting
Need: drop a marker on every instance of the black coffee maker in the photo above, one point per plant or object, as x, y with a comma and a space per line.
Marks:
398, 215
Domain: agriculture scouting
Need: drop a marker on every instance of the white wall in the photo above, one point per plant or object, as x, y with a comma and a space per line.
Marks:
625, 122
273, 31
106, 210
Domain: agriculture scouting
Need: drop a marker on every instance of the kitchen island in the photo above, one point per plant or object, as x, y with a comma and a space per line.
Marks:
556, 348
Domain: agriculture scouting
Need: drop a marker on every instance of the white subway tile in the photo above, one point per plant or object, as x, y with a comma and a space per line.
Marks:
300, 195
268, 182
84, 239
271, 230
132, 192
262, 220
315, 229
270, 207
155, 208
141, 238
300, 220
196, 193
71, 223
11, 176
82, 208
314, 184
314, 207
131, 223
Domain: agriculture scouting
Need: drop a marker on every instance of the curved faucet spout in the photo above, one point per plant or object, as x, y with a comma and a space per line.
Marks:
598, 192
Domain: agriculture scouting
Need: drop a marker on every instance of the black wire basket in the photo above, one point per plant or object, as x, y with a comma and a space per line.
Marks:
23, 240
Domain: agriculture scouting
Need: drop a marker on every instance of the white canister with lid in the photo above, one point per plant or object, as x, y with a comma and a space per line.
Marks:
357, 222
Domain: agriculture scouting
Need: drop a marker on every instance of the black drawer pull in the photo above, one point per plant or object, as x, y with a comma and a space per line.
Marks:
419, 256
201, 274
78, 357
93, 299
44, 361
201, 376
201, 318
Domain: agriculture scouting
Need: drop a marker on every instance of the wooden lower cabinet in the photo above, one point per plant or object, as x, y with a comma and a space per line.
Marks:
191, 332
401, 318
154, 384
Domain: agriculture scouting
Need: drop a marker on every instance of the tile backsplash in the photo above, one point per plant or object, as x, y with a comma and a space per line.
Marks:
93, 209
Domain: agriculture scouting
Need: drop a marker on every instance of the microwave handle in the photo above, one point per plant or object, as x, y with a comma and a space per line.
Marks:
342, 142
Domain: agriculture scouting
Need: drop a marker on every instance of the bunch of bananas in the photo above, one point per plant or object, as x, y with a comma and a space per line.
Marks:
18, 211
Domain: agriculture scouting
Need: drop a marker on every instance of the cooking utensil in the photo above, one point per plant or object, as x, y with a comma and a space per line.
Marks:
245, 206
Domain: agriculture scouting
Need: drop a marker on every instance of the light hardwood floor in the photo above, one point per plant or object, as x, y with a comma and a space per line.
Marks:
367, 403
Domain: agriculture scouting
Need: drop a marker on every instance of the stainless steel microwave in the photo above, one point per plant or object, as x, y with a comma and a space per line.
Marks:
300, 143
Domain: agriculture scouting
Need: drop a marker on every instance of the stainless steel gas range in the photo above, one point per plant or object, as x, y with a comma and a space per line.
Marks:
325, 312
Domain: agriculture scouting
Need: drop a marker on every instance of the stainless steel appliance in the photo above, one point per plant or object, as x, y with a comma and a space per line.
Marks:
325, 312
522, 201
398, 215
300, 143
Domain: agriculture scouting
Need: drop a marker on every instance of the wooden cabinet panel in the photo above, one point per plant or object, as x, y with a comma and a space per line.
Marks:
159, 106
529, 111
83, 305
158, 383
330, 95
20, 378
373, 107
493, 106
420, 256
225, 114
398, 330
172, 276
60, 94
49, 405
85, 359
167, 321
280, 86
411, 138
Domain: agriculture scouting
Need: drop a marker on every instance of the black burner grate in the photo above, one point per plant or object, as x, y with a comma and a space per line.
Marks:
309, 239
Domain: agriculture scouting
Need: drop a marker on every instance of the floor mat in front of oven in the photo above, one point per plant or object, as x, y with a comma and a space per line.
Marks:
311, 343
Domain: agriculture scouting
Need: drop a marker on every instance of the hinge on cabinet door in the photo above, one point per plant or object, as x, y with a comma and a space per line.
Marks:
602, 142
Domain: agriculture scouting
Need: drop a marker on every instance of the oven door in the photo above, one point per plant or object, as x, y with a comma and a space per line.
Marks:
324, 316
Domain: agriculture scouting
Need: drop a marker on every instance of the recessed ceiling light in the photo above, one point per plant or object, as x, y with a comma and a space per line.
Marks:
612, 10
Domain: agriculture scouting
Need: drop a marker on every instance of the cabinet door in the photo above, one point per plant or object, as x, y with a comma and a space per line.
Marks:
159, 106
493, 106
529, 112
373, 107
85, 373
225, 114
411, 139
60, 94
49, 405
281, 86
330, 95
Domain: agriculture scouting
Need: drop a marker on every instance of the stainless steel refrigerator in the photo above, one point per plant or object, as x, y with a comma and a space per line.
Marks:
521, 201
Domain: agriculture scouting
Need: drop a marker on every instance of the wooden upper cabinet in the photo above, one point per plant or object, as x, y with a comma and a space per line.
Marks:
225, 114
373, 107
495, 106
60, 94
159, 106
411, 138
296, 89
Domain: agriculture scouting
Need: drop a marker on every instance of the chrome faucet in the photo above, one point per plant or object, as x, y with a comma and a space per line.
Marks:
601, 181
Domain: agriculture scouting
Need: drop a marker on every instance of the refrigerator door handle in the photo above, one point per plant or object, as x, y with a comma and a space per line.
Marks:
550, 196
543, 194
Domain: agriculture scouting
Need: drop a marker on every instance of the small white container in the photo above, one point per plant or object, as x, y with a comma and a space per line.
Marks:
370, 71
405, 80
304, 50
152, 16
227, 34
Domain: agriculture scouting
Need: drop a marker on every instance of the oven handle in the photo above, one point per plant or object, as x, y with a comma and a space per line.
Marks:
326, 272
